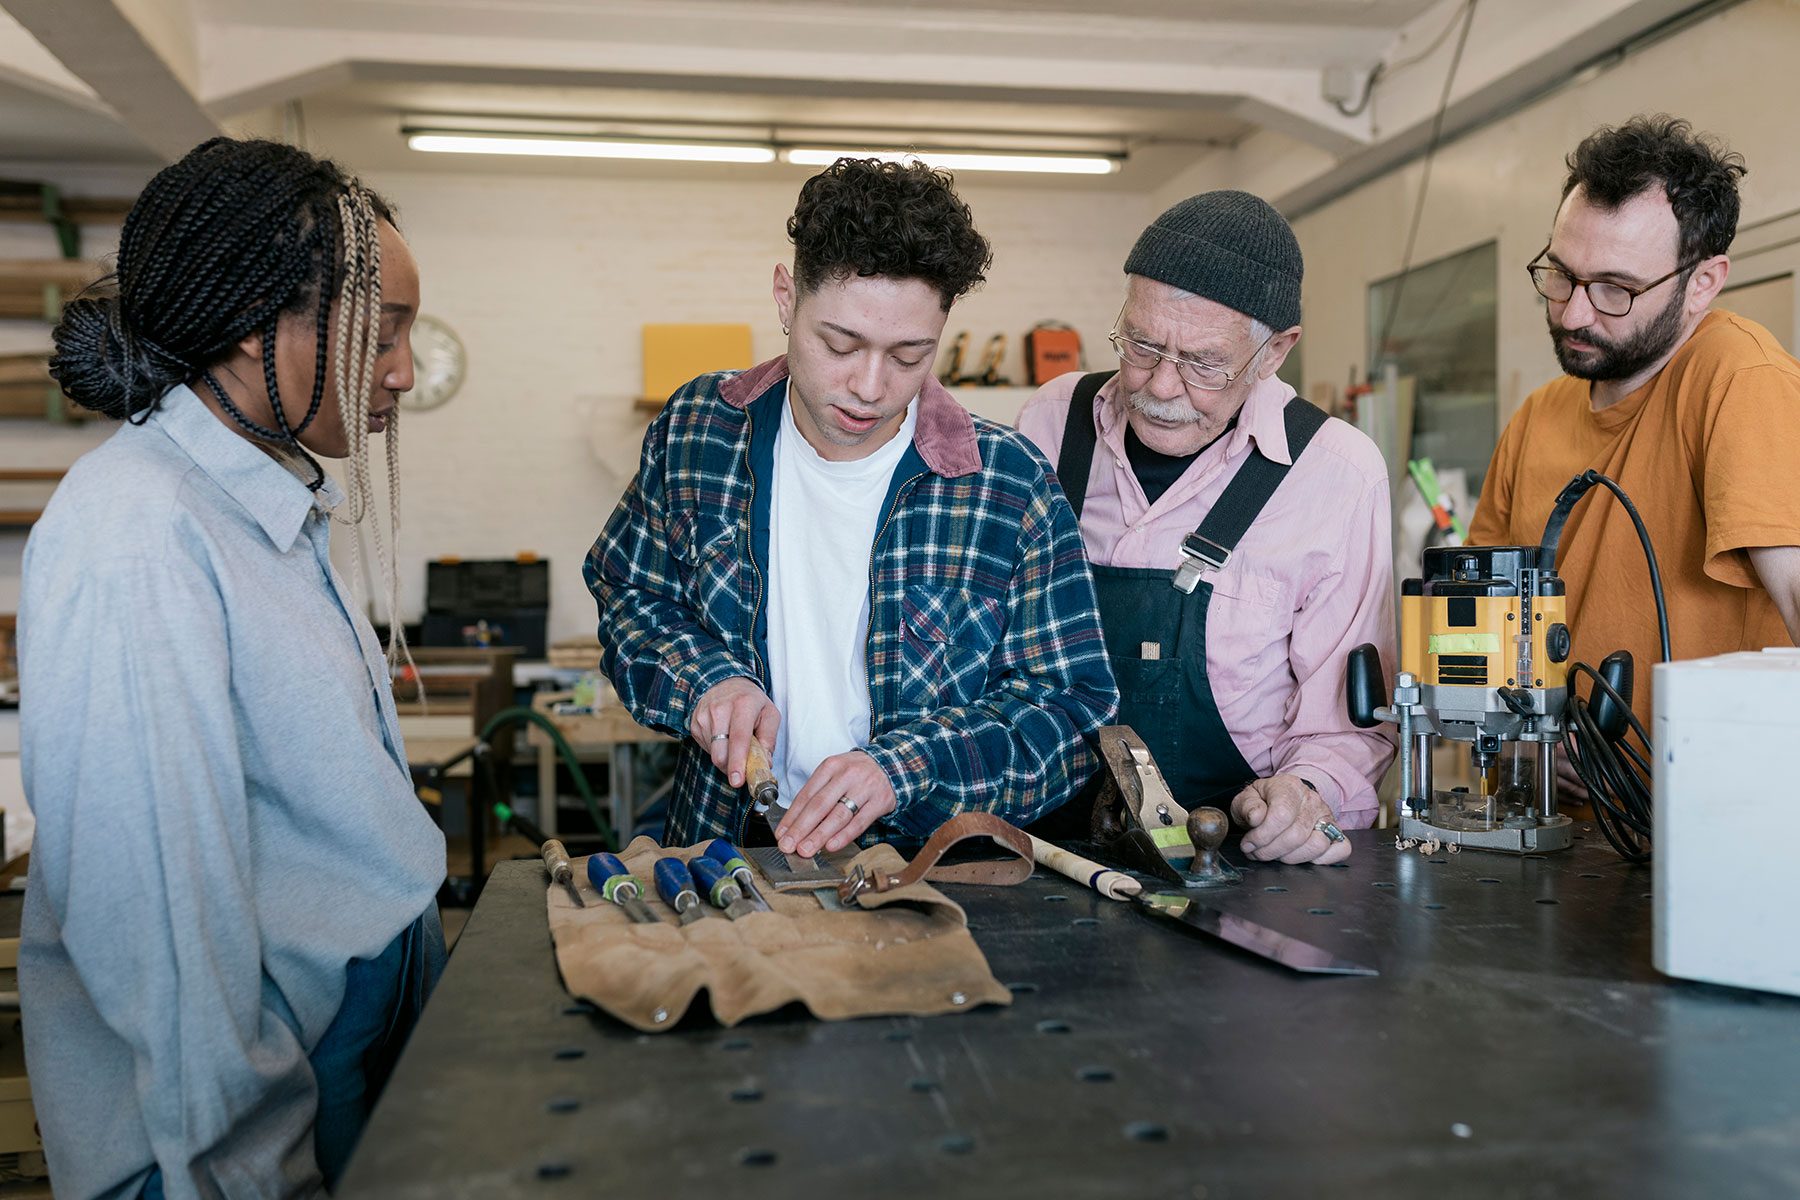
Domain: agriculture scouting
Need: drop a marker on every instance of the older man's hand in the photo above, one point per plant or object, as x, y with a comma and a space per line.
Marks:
1281, 814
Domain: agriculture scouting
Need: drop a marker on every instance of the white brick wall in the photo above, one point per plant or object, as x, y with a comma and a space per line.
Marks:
548, 281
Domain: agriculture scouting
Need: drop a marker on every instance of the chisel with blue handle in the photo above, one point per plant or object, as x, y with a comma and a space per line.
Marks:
719, 888
732, 859
676, 887
621, 887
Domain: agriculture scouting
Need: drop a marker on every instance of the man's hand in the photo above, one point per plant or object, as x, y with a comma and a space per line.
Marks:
1281, 813
846, 795
727, 717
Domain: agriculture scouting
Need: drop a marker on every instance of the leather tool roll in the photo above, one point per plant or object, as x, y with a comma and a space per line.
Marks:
903, 951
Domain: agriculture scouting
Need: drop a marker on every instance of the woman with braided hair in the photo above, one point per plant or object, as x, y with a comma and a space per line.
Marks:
229, 924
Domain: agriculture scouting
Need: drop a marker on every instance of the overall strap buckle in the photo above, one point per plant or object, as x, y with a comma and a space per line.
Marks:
1200, 557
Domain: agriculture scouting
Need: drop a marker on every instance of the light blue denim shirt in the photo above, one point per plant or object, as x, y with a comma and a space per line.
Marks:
224, 816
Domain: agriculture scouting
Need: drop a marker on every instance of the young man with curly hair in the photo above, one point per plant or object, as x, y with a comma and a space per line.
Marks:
1694, 410
828, 555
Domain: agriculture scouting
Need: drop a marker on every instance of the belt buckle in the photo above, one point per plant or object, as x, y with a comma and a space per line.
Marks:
1199, 557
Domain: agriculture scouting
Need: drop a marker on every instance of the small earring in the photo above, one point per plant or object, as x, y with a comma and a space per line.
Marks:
784, 331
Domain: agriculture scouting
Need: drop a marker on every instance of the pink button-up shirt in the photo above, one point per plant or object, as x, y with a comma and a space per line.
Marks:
1311, 579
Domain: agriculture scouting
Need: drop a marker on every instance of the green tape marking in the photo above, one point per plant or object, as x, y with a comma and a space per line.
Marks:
1464, 643
1170, 835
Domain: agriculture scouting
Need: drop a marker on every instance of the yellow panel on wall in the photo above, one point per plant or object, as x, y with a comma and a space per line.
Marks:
674, 354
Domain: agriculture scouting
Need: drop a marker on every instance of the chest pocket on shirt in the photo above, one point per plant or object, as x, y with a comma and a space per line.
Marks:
947, 637
705, 550
1255, 613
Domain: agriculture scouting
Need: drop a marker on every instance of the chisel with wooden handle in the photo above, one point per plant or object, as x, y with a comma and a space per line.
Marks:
765, 793
556, 861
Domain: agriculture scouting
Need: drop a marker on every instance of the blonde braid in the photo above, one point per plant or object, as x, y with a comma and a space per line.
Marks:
353, 363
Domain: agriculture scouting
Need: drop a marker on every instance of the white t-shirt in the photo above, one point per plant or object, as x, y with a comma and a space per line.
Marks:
822, 519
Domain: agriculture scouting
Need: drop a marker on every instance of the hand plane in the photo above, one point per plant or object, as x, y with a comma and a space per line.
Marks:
1137, 822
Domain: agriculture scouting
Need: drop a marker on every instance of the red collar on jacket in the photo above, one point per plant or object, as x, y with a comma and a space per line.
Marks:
944, 433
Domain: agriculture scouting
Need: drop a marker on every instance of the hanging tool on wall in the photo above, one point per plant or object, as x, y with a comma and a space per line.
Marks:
1443, 508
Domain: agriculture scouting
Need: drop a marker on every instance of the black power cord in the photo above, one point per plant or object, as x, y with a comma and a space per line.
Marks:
1616, 773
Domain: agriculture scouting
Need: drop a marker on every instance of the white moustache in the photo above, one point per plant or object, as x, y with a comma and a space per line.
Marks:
1169, 412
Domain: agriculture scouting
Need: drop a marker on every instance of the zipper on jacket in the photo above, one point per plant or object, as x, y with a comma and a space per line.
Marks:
874, 550
757, 599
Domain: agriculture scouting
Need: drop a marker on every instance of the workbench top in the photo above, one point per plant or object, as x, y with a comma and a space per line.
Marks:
1518, 1042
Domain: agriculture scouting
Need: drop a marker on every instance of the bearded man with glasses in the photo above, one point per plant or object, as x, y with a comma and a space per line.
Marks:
1240, 538
1695, 411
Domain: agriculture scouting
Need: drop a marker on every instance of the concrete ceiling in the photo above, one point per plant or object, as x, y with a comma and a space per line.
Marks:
1195, 92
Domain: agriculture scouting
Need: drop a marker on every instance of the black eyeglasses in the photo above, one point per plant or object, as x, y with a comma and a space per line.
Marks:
1609, 299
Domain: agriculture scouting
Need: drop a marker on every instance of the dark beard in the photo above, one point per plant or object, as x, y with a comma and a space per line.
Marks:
1619, 360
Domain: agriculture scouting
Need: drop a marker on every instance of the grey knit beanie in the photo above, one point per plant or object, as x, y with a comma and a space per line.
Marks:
1230, 247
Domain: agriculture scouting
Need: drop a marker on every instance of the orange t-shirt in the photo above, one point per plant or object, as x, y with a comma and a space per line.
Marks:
1709, 451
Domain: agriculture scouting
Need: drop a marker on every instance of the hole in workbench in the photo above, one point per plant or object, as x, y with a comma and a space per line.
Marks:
1381, 883
1590, 875
1021, 989
563, 1104
957, 1143
1548, 900
756, 1158
746, 1095
569, 1052
1054, 1026
1055, 898
735, 1044
580, 1009
1487, 879
1647, 896
1147, 1131
1275, 888
1434, 907
1439, 861
1319, 912
1085, 921
1095, 1075
1339, 866
923, 1085
1532, 857
554, 1170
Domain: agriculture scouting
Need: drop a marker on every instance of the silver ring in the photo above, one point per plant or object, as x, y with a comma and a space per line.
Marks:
1331, 832
848, 803
721, 737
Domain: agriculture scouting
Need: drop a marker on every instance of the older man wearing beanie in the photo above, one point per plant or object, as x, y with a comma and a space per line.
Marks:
1240, 538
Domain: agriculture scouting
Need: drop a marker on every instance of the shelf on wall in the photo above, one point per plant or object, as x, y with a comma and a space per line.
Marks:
35, 288
21, 517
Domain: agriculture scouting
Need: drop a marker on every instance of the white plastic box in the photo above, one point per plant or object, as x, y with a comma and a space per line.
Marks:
1727, 852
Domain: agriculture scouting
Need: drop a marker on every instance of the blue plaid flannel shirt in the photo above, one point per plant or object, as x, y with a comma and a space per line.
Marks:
988, 676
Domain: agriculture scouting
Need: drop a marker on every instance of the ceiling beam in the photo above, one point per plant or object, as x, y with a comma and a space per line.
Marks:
101, 44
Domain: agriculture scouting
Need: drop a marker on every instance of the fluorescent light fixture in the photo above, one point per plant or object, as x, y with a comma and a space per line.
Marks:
487, 143
961, 160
